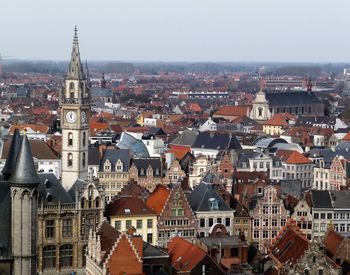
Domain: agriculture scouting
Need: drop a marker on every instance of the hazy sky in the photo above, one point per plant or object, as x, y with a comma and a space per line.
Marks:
178, 30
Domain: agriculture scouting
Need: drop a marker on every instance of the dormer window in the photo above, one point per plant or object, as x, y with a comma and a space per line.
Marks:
213, 204
157, 171
142, 171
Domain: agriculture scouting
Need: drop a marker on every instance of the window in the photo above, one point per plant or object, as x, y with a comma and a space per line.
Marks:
218, 220
180, 212
274, 209
49, 257
265, 222
173, 212
66, 228
265, 234
70, 160
256, 234
117, 225
260, 112
49, 229
227, 222
66, 255
202, 222
149, 237
214, 204
323, 216
329, 216
316, 215
149, 223
127, 224
84, 138
210, 222
70, 139
256, 222
274, 222
84, 159
265, 209
283, 222
139, 224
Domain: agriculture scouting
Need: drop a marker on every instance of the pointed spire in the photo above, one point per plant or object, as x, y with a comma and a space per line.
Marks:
103, 81
75, 70
12, 155
24, 173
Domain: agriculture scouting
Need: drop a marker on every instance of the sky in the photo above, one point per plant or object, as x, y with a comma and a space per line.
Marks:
178, 30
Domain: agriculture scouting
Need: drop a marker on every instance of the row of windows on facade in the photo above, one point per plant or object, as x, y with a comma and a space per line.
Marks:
65, 256
265, 234
70, 160
329, 216
70, 139
274, 209
176, 232
113, 176
88, 223
293, 110
129, 224
210, 222
267, 222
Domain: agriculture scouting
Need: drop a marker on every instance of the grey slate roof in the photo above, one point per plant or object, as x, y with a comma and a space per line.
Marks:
216, 141
309, 121
51, 190
321, 199
286, 98
144, 163
5, 218
186, 138
25, 173
113, 155
150, 251
12, 156
199, 198
136, 146
76, 187
94, 156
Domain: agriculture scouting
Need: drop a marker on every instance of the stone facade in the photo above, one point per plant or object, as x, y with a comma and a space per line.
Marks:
176, 218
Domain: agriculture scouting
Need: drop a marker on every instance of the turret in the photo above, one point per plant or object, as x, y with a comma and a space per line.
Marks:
12, 155
23, 183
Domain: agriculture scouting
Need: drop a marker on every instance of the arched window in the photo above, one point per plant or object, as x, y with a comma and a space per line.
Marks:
70, 160
90, 196
97, 202
84, 138
70, 139
66, 256
85, 248
260, 111
82, 203
84, 159
71, 90
49, 257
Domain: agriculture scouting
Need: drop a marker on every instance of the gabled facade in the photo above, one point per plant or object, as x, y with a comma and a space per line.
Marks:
198, 169
176, 218
269, 216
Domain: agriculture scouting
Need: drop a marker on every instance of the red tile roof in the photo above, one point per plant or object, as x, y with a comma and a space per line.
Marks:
290, 245
233, 111
158, 198
281, 119
184, 256
128, 206
346, 137
333, 241
297, 158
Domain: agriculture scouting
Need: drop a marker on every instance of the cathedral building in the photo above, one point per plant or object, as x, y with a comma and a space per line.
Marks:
267, 104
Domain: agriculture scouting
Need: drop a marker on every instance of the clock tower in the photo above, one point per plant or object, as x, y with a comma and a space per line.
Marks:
75, 115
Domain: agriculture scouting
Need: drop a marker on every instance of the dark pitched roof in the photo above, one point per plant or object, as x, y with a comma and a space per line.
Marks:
216, 141
51, 190
309, 121
199, 199
12, 155
25, 173
76, 187
94, 156
113, 155
5, 218
186, 138
321, 199
144, 163
285, 98
150, 251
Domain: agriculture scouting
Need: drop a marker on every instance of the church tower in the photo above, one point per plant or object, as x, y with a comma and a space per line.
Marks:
24, 195
75, 115
260, 110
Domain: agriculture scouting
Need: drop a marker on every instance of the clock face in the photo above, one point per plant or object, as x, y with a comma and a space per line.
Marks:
83, 116
71, 116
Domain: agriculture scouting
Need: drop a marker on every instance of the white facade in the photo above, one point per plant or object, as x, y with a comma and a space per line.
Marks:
321, 177
209, 125
197, 171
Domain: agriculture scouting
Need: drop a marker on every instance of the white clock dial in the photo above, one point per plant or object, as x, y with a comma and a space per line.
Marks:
71, 116
83, 116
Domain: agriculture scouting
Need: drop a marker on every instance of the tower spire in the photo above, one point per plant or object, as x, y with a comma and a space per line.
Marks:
75, 69
12, 155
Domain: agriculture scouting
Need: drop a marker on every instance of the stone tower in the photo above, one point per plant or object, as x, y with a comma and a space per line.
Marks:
75, 115
24, 182
260, 111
